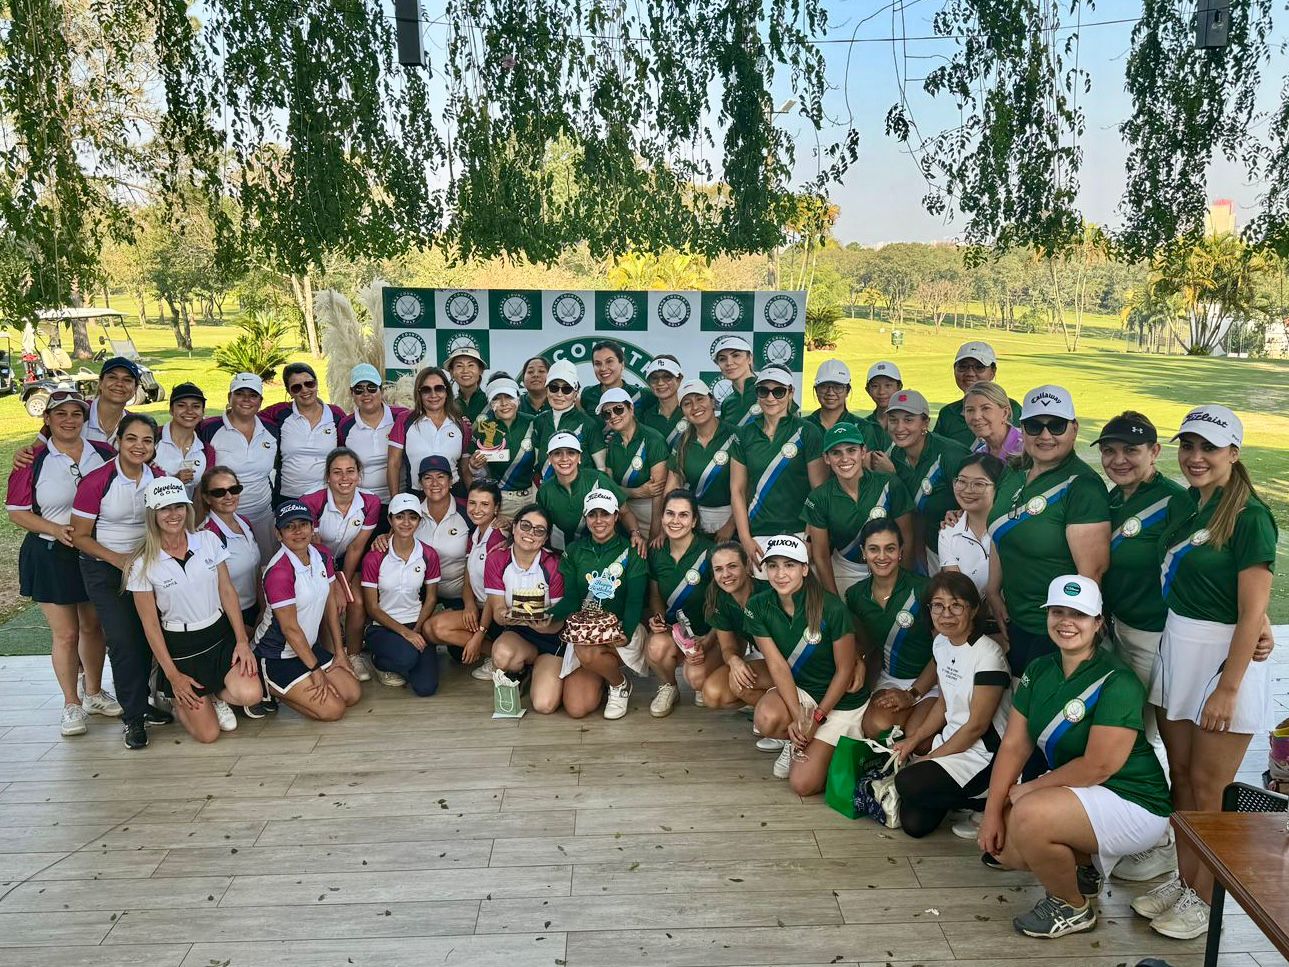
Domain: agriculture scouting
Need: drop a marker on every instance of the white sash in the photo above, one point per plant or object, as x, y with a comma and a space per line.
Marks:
895, 637
853, 551
712, 470
522, 460
802, 652
1059, 725
1147, 517
772, 472
680, 593
1021, 513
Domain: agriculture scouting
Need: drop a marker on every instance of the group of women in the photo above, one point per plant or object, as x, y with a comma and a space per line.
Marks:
1041, 644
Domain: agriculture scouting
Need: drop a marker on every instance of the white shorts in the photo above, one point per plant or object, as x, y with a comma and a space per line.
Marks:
847, 573
513, 501
1121, 827
632, 655
758, 571
1137, 648
885, 680
1191, 655
839, 722
712, 519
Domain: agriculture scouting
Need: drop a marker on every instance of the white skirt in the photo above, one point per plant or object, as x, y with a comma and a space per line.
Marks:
1121, 827
846, 722
632, 655
847, 573
962, 766
712, 519
642, 507
1191, 656
1137, 648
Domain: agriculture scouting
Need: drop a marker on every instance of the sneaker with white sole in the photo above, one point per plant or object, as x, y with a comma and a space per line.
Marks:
1184, 920
699, 700
227, 720
783, 763
1148, 864
1052, 917
483, 671
968, 828
664, 701
104, 703
616, 705
392, 679
1159, 900
361, 666
74, 720
767, 744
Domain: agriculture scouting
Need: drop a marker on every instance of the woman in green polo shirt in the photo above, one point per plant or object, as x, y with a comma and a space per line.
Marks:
503, 445
927, 463
1105, 795
849, 498
775, 462
562, 497
733, 357
680, 572
608, 362
890, 611
742, 676
1056, 522
808, 642
1219, 552
635, 458
700, 463
565, 415
664, 376
533, 376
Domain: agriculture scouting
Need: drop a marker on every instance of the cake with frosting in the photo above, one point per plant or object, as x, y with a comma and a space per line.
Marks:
528, 604
592, 625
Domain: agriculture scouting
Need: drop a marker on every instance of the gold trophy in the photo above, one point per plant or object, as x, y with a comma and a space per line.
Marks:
490, 436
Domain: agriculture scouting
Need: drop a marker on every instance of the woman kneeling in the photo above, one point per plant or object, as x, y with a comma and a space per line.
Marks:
1106, 795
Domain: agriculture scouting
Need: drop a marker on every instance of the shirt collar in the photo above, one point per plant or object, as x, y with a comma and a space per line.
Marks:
193, 545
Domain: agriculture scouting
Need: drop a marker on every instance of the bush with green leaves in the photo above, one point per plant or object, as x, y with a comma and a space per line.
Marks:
259, 348
822, 326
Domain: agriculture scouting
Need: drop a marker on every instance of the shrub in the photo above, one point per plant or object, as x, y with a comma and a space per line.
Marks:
258, 349
822, 328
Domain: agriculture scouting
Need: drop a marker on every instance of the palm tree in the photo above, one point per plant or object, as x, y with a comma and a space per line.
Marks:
1215, 284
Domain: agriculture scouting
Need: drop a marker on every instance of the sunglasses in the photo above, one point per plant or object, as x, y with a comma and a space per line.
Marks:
1034, 426
559, 388
537, 530
617, 409
831, 388
301, 386
220, 492
365, 389
434, 390
778, 392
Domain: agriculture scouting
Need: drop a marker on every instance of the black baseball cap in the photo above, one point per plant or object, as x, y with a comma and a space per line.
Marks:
1127, 429
187, 391
119, 362
290, 510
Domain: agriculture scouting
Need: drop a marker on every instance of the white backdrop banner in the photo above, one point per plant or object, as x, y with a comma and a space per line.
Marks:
508, 326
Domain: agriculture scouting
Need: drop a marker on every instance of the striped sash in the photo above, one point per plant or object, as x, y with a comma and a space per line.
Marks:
520, 465
1148, 516
681, 594
1055, 730
928, 483
752, 413
772, 473
1172, 561
629, 477
802, 652
673, 437
713, 470
854, 551
895, 637
1018, 515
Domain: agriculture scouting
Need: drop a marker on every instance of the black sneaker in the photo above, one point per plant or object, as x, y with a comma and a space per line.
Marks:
1053, 917
156, 716
136, 735
991, 861
1090, 880
270, 704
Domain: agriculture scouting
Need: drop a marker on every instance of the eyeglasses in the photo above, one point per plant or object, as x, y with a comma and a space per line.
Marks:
433, 390
559, 389
365, 389
969, 366
1035, 425
778, 392
301, 386
617, 409
954, 608
220, 492
74, 469
831, 388
972, 485
537, 530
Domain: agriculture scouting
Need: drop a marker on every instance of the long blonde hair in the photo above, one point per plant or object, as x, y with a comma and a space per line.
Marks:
149, 552
1235, 495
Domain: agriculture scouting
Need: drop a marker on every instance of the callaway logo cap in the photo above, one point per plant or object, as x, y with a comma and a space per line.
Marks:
165, 491
692, 386
730, 342
1074, 591
833, 371
564, 441
1049, 400
840, 433
1127, 429
246, 381
785, 545
981, 352
1216, 424
883, 368
600, 500
612, 397
402, 502
909, 401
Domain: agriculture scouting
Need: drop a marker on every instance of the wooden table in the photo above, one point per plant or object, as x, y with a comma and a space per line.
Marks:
1248, 855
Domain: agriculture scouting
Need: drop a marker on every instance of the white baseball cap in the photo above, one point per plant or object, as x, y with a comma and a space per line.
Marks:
564, 371
774, 374
247, 381
982, 352
600, 500
1216, 424
785, 545
909, 401
1074, 591
730, 342
663, 365
464, 350
611, 396
1048, 400
165, 491
833, 371
402, 502
503, 387
883, 368
564, 441
692, 386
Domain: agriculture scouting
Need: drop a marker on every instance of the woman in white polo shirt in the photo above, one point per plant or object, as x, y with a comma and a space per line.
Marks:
366, 430
399, 593
314, 679
965, 545
215, 507
190, 614
306, 430
443, 528
434, 427
180, 452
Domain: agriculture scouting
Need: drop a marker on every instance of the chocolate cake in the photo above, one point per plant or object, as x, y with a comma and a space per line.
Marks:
592, 626
528, 604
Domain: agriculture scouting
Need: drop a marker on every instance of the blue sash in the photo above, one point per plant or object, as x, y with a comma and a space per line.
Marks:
628, 477
895, 637
752, 413
931, 478
854, 551
802, 652
674, 436
1021, 514
1055, 730
1172, 561
713, 470
772, 473
1149, 516
681, 594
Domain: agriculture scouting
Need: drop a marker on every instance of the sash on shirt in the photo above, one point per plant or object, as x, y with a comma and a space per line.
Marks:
895, 637
1006, 522
712, 471
520, 462
802, 652
1146, 518
1173, 560
673, 437
681, 594
628, 478
854, 551
930, 478
771, 474
1055, 730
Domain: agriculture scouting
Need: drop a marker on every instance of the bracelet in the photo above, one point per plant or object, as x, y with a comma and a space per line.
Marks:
913, 690
819, 716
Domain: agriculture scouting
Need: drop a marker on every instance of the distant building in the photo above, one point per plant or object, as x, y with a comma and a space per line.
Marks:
1220, 219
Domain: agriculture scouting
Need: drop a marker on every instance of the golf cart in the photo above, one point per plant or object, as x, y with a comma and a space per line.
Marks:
8, 381
39, 369
114, 339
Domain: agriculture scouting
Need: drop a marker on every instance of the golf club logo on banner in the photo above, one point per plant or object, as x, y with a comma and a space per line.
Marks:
673, 311
462, 308
568, 309
622, 309
409, 307
410, 349
516, 310
781, 311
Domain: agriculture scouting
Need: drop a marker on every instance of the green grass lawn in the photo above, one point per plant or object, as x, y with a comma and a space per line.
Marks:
1104, 380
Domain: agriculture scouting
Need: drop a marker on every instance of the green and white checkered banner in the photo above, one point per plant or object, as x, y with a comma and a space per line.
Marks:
508, 326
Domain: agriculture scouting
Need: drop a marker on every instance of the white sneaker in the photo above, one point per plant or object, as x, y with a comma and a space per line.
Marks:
392, 679
699, 700
74, 719
1159, 900
1149, 863
616, 706
664, 701
968, 828
483, 671
104, 703
80, 684
784, 762
362, 667
227, 720
767, 744
1187, 919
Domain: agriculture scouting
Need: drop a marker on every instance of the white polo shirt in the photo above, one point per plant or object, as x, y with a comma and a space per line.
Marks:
969, 553
371, 443
187, 592
336, 528
48, 483
448, 538
243, 558
290, 582
115, 503
477, 547
253, 459
91, 430
304, 447
400, 583
419, 439
504, 576
171, 458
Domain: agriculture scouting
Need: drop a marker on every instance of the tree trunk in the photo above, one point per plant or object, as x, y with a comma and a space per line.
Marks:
302, 288
143, 306
80, 339
182, 340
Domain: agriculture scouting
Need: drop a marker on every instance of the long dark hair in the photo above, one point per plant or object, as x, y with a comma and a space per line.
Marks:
450, 406
713, 592
200, 508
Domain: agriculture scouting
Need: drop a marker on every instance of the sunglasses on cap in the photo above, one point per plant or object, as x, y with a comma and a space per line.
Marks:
304, 384
559, 389
364, 389
778, 392
617, 409
1035, 425
218, 492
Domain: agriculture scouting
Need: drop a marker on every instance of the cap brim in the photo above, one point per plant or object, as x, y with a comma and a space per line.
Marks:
1119, 438
1204, 435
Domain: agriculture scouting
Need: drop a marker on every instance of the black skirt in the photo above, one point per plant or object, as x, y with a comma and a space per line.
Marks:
205, 655
49, 572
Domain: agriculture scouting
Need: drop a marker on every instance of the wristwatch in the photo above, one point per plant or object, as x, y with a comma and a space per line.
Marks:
819, 716
913, 690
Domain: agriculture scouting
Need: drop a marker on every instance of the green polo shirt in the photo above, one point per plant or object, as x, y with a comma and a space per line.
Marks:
777, 479
641, 398
526, 406
705, 469
881, 439
866, 428
473, 406
671, 427
1202, 581
585, 556
901, 627
1027, 526
949, 422
735, 407
516, 471
1137, 526
683, 584
629, 462
930, 481
729, 615
581, 424
1061, 712
811, 661
563, 505
830, 508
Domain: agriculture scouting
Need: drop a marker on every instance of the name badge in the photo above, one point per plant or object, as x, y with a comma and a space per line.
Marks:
877, 512
721, 457
1201, 536
925, 487
637, 463
692, 577
1074, 711
813, 637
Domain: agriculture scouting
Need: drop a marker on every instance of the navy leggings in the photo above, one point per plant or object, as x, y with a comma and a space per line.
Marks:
391, 652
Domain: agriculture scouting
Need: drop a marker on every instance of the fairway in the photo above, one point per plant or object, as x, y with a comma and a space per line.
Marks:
1103, 378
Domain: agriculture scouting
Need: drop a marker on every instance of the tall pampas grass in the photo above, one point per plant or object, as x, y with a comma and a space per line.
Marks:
346, 341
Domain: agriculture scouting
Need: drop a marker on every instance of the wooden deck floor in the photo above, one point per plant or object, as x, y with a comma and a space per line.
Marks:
422, 832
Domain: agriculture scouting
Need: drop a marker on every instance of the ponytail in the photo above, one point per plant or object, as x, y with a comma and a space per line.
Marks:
815, 604
1235, 495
